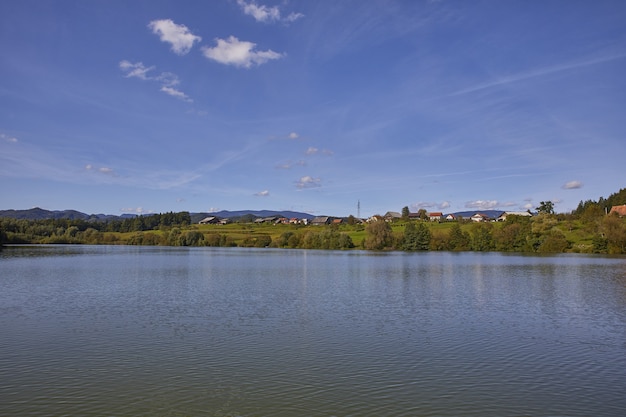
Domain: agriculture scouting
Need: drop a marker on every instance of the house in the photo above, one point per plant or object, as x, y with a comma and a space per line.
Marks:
209, 220
435, 216
271, 219
450, 217
479, 217
321, 220
392, 215
504, 215
337, 222
619, 210
414, 216
375, 218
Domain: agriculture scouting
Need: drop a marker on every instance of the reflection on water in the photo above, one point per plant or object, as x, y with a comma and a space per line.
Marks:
132, 331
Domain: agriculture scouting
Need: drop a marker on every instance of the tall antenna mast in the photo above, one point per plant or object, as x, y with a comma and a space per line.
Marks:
358, 209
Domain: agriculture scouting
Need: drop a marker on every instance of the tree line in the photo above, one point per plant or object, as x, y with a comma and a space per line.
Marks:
545, 232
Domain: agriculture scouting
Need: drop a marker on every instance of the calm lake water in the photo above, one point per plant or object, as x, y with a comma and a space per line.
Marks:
150, 331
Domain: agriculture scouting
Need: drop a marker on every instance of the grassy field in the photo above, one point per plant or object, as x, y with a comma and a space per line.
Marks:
575, 233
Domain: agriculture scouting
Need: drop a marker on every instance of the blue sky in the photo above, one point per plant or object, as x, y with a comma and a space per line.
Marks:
154, 106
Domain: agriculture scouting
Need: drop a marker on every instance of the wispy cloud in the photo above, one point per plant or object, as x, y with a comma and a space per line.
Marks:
429, 205
293, 135
291, 164
137, 70
264, 193
135, 210
178, 36
482, 204
308, 182
315, 151
266, 14
100, 170
572, 185
539, 73
167, 79
7, 138
176, 93
238, 53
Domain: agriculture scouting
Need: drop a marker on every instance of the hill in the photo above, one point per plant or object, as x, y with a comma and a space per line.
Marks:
493, 214
226, 214
42, 214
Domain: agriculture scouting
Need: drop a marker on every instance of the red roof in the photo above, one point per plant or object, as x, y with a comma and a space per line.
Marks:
620, 210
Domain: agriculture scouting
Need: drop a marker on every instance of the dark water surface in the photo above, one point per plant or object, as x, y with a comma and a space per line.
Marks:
144, 331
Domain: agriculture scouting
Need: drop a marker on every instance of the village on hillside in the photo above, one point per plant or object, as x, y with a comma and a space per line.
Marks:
390, 216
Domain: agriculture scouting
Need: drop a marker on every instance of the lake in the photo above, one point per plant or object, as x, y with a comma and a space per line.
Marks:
154, 331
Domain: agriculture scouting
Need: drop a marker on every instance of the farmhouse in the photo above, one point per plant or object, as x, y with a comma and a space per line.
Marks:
321, 220
619, 210
504, 215
435, 216
210, 220
479, 217
392, 215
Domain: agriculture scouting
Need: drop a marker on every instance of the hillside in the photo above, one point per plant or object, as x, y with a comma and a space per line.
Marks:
42, 214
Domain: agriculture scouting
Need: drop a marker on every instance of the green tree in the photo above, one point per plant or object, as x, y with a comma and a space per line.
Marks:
553, 242
546, 207
379, 236
409, 242
482, 237
458, 240
513, 235
416, 237
614, 230
405, 213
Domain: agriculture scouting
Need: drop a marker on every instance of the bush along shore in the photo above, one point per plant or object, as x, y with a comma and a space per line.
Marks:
588, 232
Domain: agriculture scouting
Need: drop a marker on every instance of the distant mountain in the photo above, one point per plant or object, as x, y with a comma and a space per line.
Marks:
225, 214
493, 214
42, 214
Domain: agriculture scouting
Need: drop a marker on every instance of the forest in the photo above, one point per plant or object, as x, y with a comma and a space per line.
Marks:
587, 229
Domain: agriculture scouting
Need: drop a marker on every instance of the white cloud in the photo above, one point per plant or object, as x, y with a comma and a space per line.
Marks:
308, 182
315, 151
292, 17
135, 210
482, 204
178, 36
444, 205
232, 51
101, 170
138, 70
167, 79
260, 13
293, 135
7, 138
264, 193
176, 93
422, 205
266, 14
290, 164
573, 185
